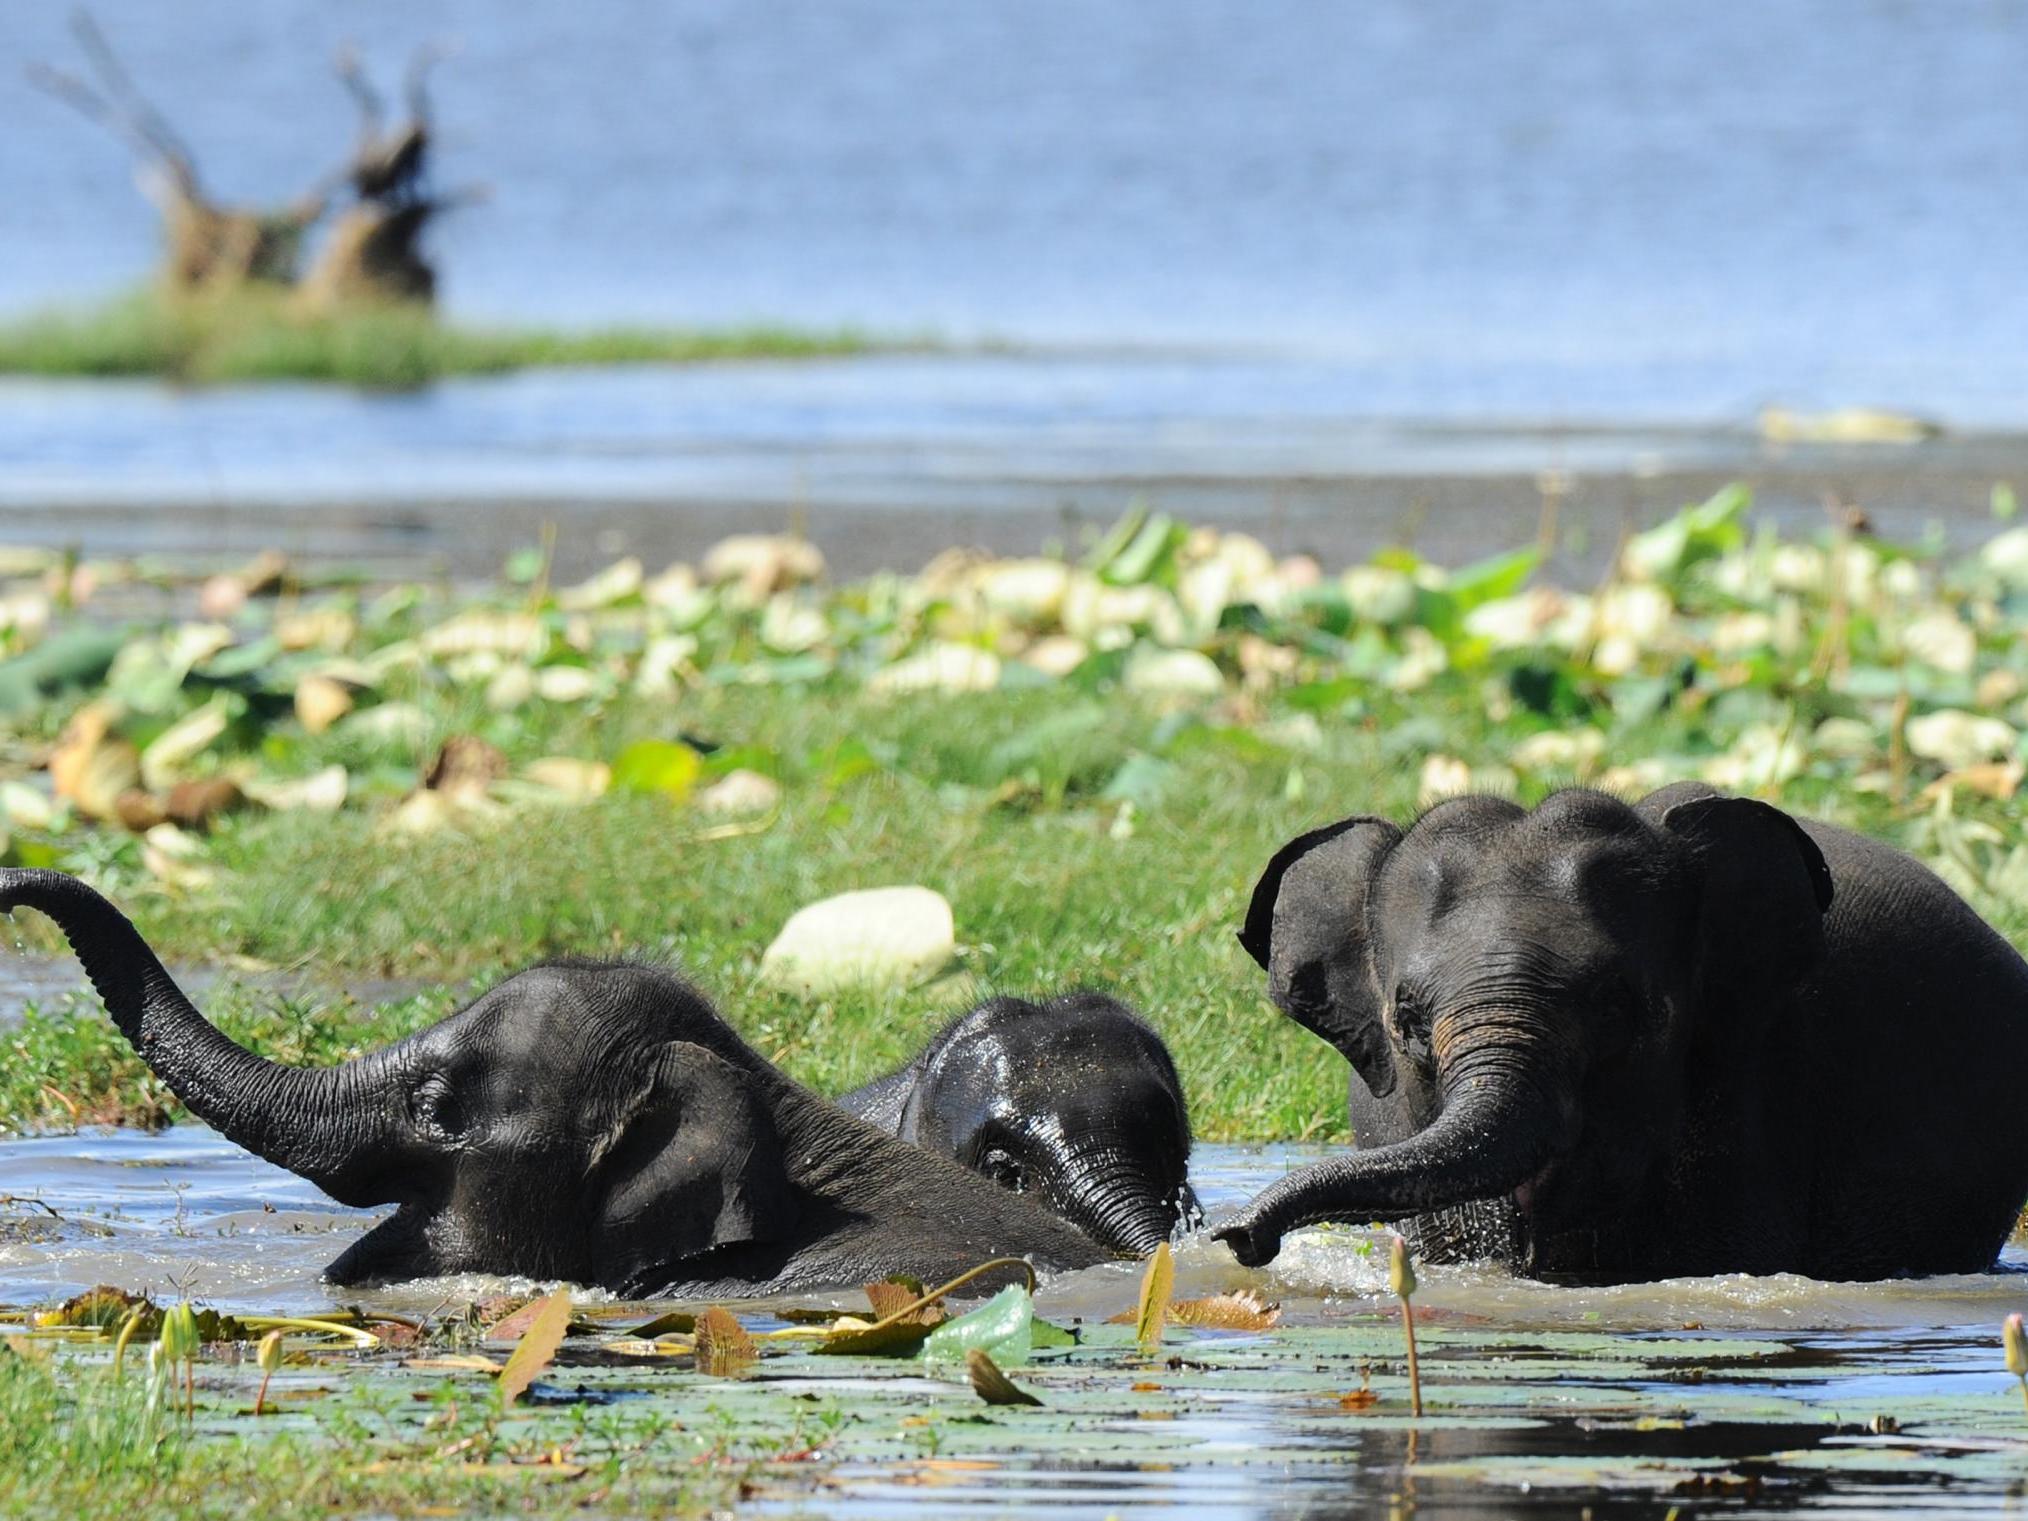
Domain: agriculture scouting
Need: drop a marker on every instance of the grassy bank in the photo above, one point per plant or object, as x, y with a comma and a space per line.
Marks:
257, 335
1091, 760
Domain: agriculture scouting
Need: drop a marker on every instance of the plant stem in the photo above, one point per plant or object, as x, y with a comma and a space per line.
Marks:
1414, 1370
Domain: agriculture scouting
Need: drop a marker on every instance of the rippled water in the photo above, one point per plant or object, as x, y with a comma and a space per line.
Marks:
1761, 1395
184, 1208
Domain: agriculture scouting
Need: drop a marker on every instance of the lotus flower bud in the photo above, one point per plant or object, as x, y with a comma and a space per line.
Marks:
1400, 1270
270, 1353
2015, 1340
180, 1340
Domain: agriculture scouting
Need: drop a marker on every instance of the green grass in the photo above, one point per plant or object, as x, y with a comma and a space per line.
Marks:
1085, 832
254, 335
74, 1442
1044, 894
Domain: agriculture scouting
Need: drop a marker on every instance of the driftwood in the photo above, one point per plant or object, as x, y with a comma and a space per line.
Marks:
207, 244
373, 251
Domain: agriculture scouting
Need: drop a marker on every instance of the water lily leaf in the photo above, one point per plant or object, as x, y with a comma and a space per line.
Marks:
675, 1322
1156, 1283
657, 765
1002, 1326
724, 1347
176, 746
903, 1338
547, 1321
993, 1386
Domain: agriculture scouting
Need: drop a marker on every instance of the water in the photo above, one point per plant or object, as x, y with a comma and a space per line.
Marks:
1754, 1391
1337, 276
185, 1208
1555, 208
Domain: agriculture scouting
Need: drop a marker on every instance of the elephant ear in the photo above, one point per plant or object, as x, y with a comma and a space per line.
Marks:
1306, 927
694, 1164
1766, 889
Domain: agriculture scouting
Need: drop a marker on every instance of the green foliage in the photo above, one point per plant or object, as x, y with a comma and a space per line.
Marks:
253, 334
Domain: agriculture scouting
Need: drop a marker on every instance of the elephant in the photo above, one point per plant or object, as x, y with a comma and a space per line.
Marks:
589, 1121
1610, 1041
1073, 1100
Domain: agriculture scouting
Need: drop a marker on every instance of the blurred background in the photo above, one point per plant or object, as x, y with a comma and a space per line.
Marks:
1341, 276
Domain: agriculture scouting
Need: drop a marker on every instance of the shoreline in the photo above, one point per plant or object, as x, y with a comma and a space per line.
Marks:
1452, 517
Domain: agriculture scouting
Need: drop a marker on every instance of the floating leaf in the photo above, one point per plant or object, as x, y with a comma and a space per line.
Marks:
1003, 1325
1156, 1282
724, 1347
1245, 1310
991, 1385
546, 1325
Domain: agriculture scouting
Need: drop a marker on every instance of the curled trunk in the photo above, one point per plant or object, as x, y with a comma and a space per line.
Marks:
1496, 1132
323, 1124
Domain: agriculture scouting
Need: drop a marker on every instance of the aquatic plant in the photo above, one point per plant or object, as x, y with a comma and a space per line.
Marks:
1401, 1284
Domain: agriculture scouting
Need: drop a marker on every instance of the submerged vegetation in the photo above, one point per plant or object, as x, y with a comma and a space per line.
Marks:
1089, 757
262, 333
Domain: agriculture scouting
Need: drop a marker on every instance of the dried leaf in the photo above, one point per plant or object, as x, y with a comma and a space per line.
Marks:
538, 1344
321, 701
990, 1384
1242, 1311
1156, 1283
891, 1295
724, 1349
464, 766
104, 1307
91, 766
194, 804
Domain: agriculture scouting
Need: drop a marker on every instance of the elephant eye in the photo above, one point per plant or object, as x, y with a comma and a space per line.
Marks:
435, 1109
1411, 1019
1004, 1170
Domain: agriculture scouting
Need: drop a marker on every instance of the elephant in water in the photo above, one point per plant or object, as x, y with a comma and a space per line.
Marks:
583, 1120
1611, 1041
1074, 1101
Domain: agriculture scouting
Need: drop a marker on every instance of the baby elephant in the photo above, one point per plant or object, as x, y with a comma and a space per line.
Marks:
1074, 1100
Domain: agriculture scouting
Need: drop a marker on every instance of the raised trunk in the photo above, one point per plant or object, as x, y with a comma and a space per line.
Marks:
328, 1125
1495, 1134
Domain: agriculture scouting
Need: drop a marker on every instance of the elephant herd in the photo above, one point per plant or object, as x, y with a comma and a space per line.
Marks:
1597, 1041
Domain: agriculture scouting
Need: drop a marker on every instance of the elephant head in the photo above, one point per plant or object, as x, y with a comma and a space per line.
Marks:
593, 1121
1523, 986
1074, 1101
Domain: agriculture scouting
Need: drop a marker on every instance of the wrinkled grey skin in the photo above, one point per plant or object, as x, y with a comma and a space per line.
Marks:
588, 1121
1610, 1042
1074, 1101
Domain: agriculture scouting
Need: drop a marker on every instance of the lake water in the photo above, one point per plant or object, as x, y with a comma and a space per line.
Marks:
1337, 275
1640, 209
